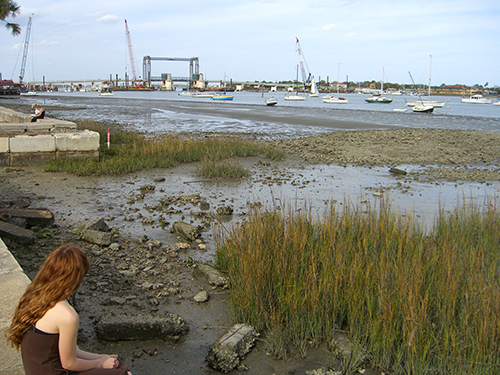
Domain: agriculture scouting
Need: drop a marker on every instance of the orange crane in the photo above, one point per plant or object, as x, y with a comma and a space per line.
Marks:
131, 54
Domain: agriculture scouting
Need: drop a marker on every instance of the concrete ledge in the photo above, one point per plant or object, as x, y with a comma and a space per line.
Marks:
4, 144
19, 123
77, 141
32, 143
13, 283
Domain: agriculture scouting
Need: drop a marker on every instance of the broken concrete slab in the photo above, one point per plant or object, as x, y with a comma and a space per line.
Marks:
188, 231
16, 233
347, 350
213, 276
141, 327
33, 216
229, 349
97, 237
97, 224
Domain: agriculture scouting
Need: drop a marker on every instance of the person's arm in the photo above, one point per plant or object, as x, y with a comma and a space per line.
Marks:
87, 355
68, 322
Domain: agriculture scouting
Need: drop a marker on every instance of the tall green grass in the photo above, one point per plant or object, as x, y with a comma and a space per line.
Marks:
419, 302
132, 151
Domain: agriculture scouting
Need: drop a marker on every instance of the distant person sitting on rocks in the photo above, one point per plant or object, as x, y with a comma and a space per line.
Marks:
39, 112
45, 325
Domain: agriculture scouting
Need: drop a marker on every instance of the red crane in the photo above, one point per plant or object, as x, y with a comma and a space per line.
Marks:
131, 54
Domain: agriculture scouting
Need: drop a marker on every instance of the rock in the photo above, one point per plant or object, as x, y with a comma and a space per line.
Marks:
204, 205
398, 171
97, 237
98, 225
33, 216
188, 231
225, 210
213, 276
201, 296
114, 246
226, 353
17, 234
159, 179
348, 350
140, 327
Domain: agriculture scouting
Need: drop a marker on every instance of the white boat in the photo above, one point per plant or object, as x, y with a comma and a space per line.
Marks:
399, 110
428, 101
497, 102
271, 101
422, 108
379, 98
185, 93
296, 96
106, 91
314, 89
203, 95
335, 99
29, 93
476, 99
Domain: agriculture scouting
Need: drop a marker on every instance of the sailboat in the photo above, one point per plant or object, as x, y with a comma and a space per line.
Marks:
314, 89
379, 98
427, 102
296, 96
335, 99
422, 107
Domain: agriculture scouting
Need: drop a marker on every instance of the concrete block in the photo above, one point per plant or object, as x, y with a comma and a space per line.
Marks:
78, 141
98, 238
226, 353
32, 143
120, 327
4, 158
4, 144
12, 287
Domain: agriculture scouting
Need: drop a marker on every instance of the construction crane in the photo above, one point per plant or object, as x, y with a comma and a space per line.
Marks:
131, 54
25, 51
307, 79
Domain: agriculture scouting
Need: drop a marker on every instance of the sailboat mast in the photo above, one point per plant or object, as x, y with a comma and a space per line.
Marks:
338, 80
382, 89
430, 76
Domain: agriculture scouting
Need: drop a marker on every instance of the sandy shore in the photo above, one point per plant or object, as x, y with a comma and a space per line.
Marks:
165, 282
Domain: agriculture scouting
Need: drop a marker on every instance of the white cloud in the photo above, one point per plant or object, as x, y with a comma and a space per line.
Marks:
329, 27
109, 18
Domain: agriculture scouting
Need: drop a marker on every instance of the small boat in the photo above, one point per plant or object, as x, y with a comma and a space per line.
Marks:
314, 89
29, 93
203, 95
422, 108
497, 102
335, 99
476, 99
295, 97
428, 101
222, 97
185, 93
399, 110
271, 101
379, 98
106, 91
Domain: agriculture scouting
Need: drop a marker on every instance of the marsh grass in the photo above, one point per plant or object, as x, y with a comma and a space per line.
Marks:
132, 151
418, 301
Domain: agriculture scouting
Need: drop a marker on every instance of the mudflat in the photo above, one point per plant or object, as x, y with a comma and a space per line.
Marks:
150, 270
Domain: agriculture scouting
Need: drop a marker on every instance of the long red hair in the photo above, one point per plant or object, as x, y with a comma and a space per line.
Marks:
60, 275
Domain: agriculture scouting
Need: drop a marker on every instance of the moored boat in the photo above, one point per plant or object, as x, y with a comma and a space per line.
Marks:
378, 99
476, 99
497, 102
222, 97
422, 108
271, 101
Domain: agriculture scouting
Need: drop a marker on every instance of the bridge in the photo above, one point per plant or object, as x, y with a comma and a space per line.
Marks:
194, 70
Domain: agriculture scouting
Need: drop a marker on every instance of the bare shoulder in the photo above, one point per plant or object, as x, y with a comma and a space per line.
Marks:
62, 314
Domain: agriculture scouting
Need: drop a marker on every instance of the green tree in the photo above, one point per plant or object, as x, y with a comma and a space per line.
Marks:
9, 9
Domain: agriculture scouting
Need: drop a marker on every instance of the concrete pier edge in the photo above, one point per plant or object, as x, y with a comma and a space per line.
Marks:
13, 283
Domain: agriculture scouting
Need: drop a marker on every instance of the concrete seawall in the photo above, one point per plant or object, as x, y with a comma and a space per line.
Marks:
13, 283
46, 139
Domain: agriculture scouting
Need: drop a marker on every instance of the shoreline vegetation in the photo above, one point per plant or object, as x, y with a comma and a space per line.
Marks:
417, 301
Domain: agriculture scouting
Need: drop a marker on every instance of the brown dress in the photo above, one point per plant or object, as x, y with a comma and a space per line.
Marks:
40, 353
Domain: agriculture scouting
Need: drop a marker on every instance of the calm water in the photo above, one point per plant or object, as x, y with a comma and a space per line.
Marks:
157, 111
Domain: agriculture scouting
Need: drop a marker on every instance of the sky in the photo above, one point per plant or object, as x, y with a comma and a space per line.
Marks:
254, 40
